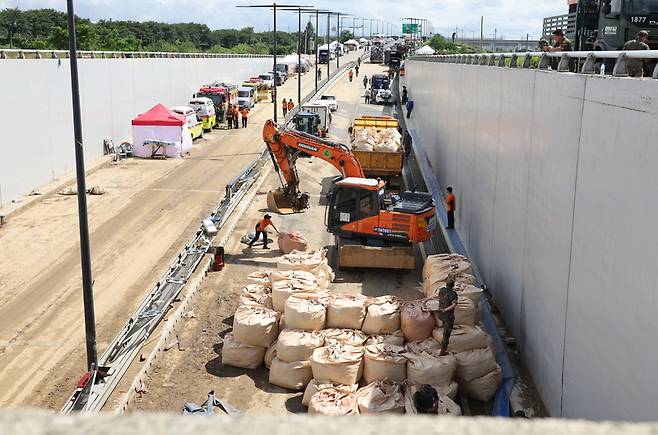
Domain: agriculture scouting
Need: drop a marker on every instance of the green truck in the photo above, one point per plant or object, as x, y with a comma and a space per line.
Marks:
606, 24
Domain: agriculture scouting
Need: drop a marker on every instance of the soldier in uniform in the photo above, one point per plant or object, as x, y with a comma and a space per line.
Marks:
635, 67
446, 312
560, 43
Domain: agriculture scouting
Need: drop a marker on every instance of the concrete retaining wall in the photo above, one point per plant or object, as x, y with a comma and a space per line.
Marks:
37, 126
555, 177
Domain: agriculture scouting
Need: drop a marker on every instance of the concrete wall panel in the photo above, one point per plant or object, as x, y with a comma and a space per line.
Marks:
37, 123
555, 179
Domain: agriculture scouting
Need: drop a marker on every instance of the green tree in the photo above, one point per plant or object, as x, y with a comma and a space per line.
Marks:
12, 22
346, 35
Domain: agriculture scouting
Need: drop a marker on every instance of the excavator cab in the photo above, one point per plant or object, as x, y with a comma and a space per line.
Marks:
308, 122
360, 208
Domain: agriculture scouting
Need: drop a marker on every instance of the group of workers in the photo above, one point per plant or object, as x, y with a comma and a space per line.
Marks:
287, 106
634, 67
233, 113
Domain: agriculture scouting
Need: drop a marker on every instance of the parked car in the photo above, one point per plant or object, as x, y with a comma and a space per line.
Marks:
193, 124
331, 100
280, 77
246, 96
268, 79
205, 112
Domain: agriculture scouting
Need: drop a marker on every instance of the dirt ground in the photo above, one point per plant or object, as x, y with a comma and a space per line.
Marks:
150, 210
184, 376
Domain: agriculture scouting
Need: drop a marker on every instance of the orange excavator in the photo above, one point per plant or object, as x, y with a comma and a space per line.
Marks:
359, 212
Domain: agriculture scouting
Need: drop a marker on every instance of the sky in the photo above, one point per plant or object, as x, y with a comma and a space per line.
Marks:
511, 19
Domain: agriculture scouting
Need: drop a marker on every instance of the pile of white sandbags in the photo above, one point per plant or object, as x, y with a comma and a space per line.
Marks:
439, 267
314, 262
371, 139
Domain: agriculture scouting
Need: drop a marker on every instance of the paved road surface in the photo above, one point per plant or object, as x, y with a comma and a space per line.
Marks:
149, 211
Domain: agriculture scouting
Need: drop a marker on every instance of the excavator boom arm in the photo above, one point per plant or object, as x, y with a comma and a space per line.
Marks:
281, 141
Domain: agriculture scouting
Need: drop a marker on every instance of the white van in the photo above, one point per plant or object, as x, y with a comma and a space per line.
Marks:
246, 97
193, 124
205, 111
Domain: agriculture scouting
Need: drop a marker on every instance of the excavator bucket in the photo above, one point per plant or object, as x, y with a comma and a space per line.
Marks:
278, 202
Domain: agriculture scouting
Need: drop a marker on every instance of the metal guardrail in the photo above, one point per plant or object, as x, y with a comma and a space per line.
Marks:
59, 54
92, 394
511, 60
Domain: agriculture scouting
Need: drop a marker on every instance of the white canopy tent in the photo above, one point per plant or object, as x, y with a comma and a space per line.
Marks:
425, 49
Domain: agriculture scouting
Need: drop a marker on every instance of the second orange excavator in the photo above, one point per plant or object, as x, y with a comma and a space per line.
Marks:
359, 211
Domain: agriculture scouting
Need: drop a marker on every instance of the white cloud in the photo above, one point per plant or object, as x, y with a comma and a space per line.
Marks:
511, 18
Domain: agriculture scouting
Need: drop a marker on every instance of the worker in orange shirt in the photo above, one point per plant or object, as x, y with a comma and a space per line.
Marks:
350, 74
261, 228
291, 105
245, 115
284, 106
451, 206
236, 114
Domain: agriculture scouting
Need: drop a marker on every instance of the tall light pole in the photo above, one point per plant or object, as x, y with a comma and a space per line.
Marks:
85, 249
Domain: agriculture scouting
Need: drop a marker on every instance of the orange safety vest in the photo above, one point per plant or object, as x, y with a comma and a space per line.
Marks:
263, 224
284, 105
245, 113
291, 105
235, 111
450, 202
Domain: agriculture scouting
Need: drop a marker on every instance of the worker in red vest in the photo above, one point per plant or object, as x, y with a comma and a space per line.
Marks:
261, 228
451, 206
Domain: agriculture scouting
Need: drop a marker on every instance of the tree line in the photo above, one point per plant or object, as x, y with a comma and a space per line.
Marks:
46, 29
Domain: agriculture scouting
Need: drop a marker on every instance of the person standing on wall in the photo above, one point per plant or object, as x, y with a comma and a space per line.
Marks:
405, 95
284, 107
410, 108
446, 313
406, 142
245, 115
261, 228
451, 206
635, 67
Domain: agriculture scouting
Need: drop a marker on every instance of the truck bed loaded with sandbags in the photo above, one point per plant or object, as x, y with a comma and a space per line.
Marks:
376, 143
353, 354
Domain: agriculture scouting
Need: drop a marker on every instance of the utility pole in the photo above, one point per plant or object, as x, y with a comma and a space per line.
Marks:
317, 30
338, 42
85, 249
481, 32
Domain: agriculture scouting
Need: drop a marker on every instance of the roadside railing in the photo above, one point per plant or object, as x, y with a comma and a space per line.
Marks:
64, 54
589, 62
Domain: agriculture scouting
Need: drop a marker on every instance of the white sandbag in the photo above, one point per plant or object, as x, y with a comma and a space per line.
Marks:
304, 279
306, 314
282, 290
464, 338
384, 362
333, 402
291, 375
396, 338
382, 317
241, 355
470, 292
259, 277
270, 354
449, 390
297, 345
482, 388
444, 263
429, 345
352, 337
257, 326
297, 260
381, 397
293, 241
337, 363
416, 323
255, 295
465, 313
426, 368
314, 386
475, 363
446, 405
346, 311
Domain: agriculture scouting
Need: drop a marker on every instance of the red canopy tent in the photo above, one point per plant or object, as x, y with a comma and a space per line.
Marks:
159, 115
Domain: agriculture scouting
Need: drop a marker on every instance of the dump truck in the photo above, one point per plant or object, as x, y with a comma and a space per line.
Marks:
379, 164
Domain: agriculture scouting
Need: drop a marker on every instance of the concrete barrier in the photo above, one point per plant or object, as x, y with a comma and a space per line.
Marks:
37, 125
554, 175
